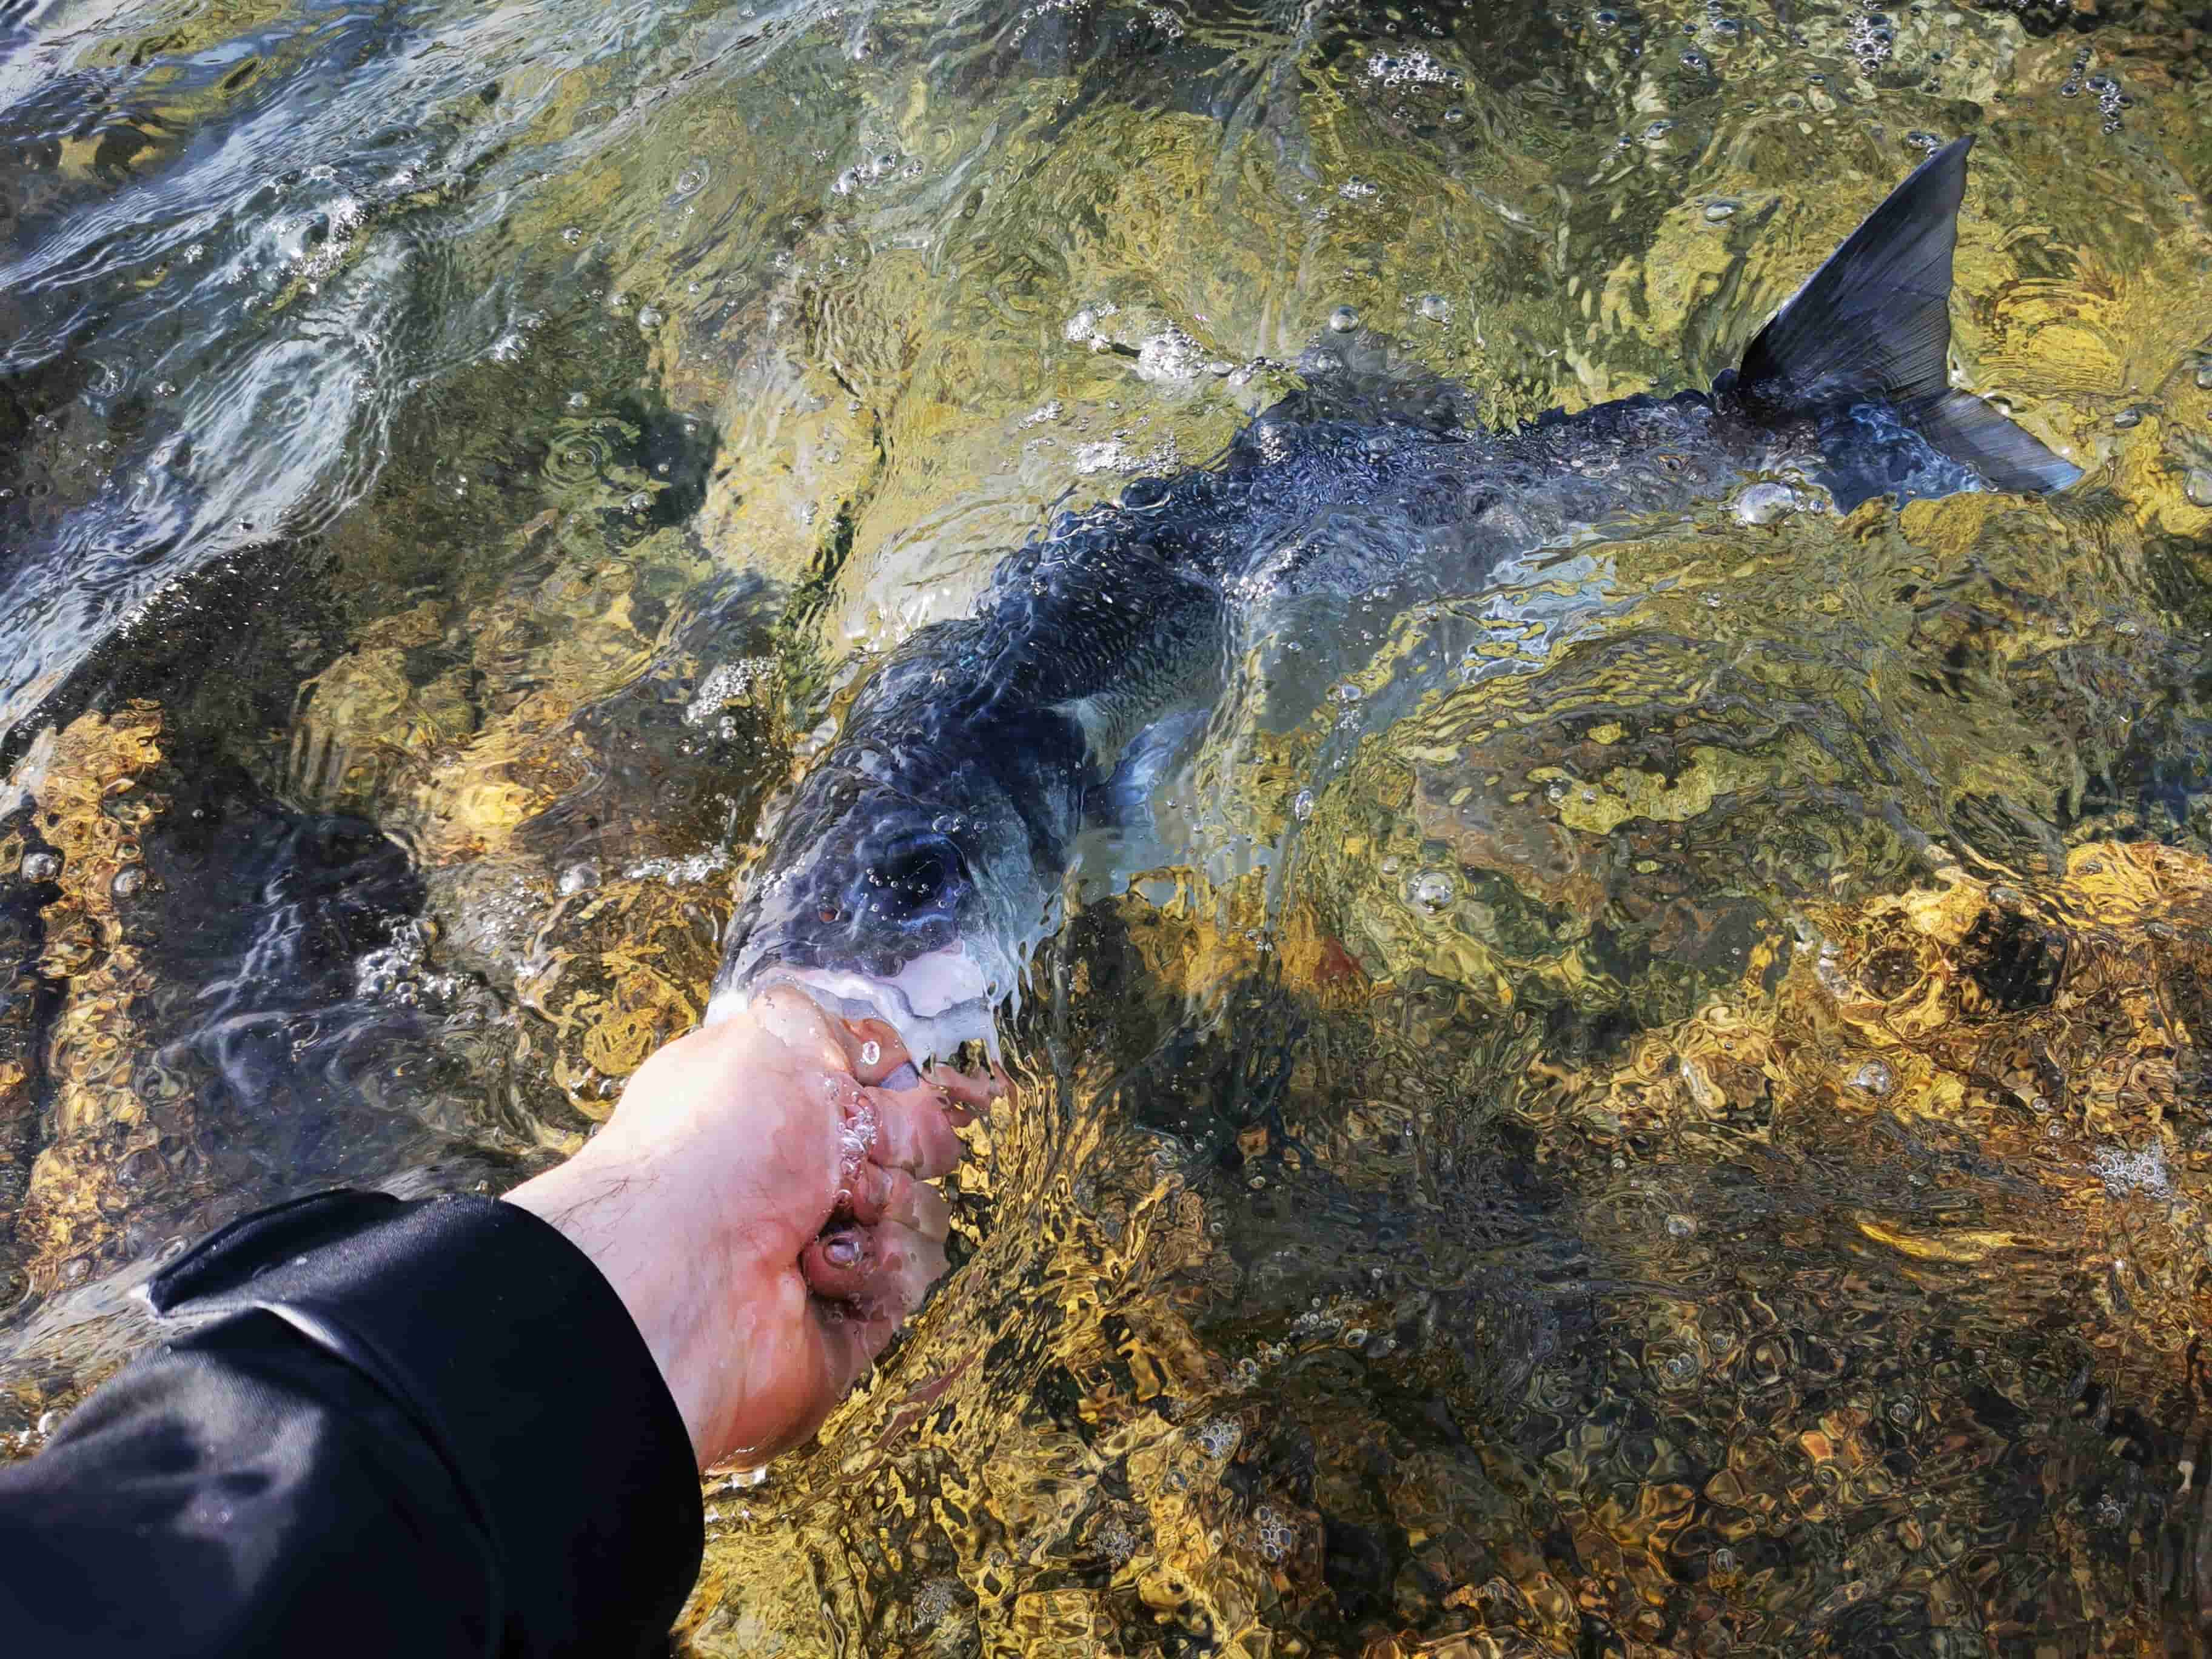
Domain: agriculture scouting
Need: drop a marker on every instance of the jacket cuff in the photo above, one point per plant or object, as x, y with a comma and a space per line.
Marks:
522, 1369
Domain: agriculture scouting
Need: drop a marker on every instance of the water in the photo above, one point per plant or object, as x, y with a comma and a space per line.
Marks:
1668, 1115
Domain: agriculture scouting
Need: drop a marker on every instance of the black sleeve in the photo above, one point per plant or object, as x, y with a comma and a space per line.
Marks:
417, 1429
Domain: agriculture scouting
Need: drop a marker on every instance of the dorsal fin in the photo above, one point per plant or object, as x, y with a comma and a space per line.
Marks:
1873, 325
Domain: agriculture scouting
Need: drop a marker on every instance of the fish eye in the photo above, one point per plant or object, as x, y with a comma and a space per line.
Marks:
917, 874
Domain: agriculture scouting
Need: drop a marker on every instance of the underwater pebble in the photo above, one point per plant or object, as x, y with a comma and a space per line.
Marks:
1681, 1226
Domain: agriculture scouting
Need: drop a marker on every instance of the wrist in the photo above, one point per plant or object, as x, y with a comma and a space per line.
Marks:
664, 1286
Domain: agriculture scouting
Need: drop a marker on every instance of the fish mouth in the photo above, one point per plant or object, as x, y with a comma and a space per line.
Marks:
936, 1002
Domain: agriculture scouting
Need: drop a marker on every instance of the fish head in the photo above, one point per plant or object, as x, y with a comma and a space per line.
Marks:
882, 898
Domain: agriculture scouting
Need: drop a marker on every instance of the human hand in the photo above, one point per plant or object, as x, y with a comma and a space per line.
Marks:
704, 1198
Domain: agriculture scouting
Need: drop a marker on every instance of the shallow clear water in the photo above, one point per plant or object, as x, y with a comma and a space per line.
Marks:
1670, 1116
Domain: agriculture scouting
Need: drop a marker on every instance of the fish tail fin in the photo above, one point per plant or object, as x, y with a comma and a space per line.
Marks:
1873, 325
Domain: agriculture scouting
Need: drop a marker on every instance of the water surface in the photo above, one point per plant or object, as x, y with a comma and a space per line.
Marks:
1670, 1117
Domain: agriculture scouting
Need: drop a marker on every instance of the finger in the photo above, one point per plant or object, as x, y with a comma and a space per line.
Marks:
876, 1050
967, 1089
877, 1194
919, 1205
837, 1265
850, 1341
914, 1131
880, 1272
786, 1012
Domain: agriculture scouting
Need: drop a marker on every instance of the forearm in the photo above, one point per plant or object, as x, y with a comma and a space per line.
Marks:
382, 1445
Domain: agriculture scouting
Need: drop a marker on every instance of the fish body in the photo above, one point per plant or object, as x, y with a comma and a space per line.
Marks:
923, 858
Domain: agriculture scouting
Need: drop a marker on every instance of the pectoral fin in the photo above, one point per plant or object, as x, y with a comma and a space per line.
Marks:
1148, 759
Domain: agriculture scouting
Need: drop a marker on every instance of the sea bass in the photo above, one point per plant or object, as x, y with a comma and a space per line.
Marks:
923, 858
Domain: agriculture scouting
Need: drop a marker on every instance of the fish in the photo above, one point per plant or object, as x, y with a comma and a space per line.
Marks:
923, 859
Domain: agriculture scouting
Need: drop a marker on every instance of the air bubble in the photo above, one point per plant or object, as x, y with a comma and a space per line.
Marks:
1344, 320
41, 867
871, 1052
1763, 503
2198, 486
1432, 890
1435, 308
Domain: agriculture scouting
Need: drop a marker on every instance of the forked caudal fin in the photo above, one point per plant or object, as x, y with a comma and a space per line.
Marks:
1873, 327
